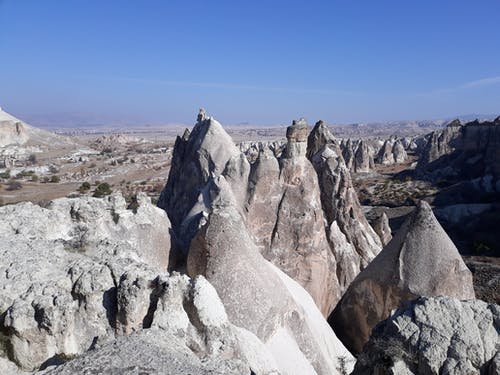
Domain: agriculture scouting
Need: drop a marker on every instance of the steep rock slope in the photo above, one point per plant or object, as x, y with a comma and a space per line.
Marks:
420, 260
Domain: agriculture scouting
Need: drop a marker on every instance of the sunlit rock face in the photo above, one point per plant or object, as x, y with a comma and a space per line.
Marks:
420, 260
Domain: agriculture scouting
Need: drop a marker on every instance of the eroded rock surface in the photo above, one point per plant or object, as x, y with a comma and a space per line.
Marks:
341, 207
420, 260
281, 313
432, 336
61, 267
279, 199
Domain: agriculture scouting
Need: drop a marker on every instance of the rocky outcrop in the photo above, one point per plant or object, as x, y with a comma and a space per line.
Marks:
14, 132
382, 228
246, 213
363, 160
198, 156
462, 152
348, 154
282, 315
432, 336
399, 152
61, 266
299, 245
420, 260
385, 155
279, 200
188, 331
342, 210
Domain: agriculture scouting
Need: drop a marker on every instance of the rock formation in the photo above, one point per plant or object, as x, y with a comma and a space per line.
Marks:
382, 228
282, 315
462, 152
244, 213
188, 331
60, 267
385, 155
299, 245
438, 335
363, 160
279, 198
419, 261
14, 132
348, 154
340, 203
198, 155
398, 152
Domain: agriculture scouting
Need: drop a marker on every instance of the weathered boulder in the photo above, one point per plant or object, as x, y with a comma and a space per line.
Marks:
432, 336
188, 332
420, 260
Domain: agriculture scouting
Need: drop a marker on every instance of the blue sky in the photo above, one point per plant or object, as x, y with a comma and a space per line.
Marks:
262, 62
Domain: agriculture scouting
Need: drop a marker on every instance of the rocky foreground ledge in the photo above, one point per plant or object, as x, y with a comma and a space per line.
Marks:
236, 274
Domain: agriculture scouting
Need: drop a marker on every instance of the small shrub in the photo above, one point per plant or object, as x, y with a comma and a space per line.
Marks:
6, 174
53, 169
102, 189
32, 159
55, 179
84, 187
34, 178
13, 185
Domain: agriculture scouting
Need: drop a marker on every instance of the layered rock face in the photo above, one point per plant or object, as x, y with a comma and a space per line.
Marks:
353, 240
432, 336
420, 260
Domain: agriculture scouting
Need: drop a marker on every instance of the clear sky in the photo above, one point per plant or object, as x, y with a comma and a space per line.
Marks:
261, 62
